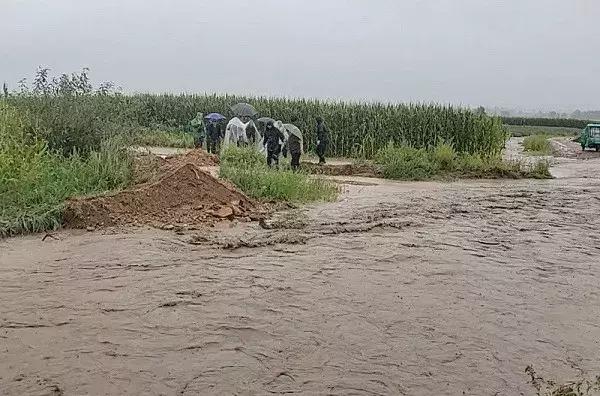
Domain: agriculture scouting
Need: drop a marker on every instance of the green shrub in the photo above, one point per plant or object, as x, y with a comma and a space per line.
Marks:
537, 144
444, 156
246, 168
405, 163
70, 123
238, 157
477, 166
34, 181
541, 170
471, 162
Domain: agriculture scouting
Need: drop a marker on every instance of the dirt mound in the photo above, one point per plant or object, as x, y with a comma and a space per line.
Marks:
197, 157
150, 167
187, 195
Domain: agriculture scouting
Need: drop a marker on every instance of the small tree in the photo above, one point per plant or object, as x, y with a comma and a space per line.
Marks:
81, 82
23, 87
41, 83
106, 88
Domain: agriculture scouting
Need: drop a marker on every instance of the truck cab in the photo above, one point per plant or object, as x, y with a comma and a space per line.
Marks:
590, 137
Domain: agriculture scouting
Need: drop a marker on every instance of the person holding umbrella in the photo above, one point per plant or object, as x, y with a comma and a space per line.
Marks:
293, 145
213, 137
213, 132
322, 140
251, 132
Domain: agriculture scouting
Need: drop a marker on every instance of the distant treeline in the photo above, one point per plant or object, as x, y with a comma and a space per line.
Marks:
547, 122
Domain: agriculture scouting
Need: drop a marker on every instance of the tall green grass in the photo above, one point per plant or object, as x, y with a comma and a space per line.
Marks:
246, 168
537, 144
35, 181
162, 137
402, 162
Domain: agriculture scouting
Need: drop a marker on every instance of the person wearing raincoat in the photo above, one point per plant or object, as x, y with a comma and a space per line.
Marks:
235, 133
251, 132
199, 130
272, 141
213, 137
322, 140
293, 145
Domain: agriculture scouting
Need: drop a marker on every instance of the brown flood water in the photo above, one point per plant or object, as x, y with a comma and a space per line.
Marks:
398, 288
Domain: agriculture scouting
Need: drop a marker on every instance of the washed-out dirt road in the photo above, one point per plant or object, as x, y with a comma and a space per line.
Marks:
397, 288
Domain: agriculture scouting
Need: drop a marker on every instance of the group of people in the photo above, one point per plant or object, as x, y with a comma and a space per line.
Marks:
278, 139
275, 139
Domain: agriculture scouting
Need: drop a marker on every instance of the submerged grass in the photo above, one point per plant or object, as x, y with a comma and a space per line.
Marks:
35, 181
246, 169
409, 163
548, 387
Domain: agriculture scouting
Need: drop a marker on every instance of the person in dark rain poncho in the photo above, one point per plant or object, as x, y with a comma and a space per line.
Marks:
272, 141
322, 140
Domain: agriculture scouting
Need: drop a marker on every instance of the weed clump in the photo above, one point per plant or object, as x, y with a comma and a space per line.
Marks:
537, 144
247, 169
547, 387
162, 137
35, 180
409, 163
405, 162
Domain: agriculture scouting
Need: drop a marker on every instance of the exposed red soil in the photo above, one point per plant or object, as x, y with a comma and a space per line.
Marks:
179, 193
196, 157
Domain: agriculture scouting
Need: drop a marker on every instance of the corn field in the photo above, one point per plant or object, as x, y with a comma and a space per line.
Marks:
356, 129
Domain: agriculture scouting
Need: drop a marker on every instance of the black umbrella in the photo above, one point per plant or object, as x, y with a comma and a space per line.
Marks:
244, 110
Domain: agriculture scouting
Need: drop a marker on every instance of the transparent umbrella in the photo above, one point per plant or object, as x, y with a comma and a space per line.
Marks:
244, 110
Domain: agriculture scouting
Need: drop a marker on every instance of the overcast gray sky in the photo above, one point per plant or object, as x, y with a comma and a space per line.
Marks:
514, 53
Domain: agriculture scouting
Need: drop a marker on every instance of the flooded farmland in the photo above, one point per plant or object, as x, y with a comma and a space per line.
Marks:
397, 288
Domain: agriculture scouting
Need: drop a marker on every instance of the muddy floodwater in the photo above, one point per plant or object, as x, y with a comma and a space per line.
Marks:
397, 288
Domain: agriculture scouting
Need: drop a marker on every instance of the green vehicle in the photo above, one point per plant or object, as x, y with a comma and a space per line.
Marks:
590, 137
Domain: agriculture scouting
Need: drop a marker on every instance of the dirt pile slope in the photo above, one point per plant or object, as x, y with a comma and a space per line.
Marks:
150, 167
187, 195
196, 157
